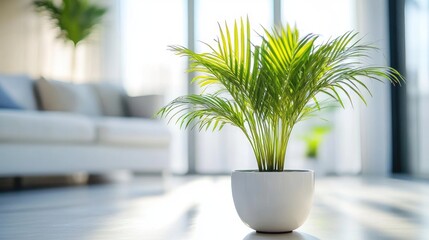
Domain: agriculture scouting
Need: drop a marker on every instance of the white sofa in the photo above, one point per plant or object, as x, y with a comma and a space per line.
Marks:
63, 128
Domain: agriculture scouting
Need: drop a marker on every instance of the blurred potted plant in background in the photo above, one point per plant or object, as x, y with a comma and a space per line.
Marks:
315, 156
313, 138
74, 19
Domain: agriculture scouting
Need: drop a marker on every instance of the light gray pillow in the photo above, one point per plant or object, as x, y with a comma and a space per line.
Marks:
20, 89
111, 99
145, 106
68, 97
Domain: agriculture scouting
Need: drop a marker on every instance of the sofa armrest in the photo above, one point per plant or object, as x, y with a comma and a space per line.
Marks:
144, 106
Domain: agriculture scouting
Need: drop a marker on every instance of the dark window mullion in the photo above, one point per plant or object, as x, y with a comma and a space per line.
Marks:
398, 94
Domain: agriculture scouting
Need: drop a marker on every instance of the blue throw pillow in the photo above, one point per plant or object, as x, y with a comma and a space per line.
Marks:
6, 101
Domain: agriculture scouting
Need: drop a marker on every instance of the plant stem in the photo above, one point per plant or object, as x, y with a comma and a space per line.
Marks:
73, 64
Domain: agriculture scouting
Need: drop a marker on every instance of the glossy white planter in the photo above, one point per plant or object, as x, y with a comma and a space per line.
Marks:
273, 202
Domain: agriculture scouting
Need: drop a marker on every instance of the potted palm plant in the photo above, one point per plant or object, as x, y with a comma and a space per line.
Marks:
264, 90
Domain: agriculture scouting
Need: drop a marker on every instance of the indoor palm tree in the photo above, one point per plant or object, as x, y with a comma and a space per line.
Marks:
75, 20
265, 89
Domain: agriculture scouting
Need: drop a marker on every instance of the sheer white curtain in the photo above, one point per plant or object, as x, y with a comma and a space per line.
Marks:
376, 117
417, 60
148, 28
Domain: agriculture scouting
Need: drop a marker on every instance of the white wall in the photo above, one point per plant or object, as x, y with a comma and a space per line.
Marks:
29, 45
19, 46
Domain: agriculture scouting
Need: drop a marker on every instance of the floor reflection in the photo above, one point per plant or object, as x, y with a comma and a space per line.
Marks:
283, 236
201, 208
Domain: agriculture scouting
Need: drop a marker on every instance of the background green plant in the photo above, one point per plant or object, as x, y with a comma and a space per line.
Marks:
313, 138
265, 89
75, 20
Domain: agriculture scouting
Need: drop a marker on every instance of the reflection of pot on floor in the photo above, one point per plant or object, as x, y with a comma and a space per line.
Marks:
283, 236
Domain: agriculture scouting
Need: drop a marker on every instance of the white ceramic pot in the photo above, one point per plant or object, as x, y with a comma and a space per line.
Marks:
273, 202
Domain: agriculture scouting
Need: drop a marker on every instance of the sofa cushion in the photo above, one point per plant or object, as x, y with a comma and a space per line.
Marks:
20, 89
132, 131
111, 99
33, 126
6, 101
68, 97
144, 106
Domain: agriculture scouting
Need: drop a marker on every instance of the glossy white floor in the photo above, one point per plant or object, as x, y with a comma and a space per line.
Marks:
201, 208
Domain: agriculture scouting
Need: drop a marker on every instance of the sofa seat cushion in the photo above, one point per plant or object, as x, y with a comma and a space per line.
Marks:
132, 131
51, 127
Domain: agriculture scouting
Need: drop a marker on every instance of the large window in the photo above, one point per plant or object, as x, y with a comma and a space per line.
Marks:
151, 25
417, 88
327, 18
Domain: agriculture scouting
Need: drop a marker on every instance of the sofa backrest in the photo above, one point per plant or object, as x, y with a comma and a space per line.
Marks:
20, 89
94, 99
111, 98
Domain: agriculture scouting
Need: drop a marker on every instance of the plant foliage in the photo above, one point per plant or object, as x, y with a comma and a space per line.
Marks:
75, 19
314, 138
265, 89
